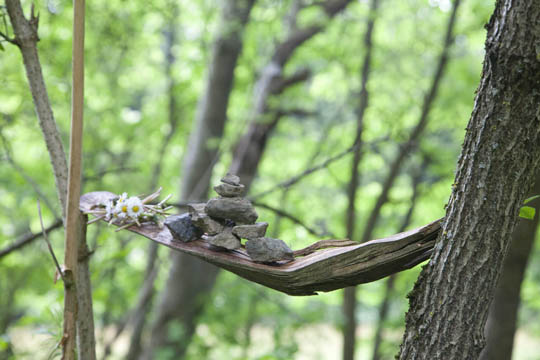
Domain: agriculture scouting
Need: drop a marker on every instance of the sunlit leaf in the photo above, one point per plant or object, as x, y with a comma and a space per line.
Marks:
527, 212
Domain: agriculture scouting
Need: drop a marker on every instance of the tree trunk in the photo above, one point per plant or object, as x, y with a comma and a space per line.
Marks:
502, 318
189, 278
450, 301
26, 38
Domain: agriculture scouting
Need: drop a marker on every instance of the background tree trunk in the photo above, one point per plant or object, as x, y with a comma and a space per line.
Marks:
502, 318
501, 152
146, 294
349, 294
190, 279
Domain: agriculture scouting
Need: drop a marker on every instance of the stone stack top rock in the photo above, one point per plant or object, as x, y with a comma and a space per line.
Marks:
230, 186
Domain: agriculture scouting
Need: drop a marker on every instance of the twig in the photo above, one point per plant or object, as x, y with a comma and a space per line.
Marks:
7, 38
27, 239
28, 178
58, 268
297, 178
294, 219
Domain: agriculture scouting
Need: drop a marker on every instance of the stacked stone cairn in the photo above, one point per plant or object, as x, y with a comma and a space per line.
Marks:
225, 220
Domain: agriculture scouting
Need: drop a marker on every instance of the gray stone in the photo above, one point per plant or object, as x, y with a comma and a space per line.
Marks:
210, 226
195, 210
254, 231
203, 221
229, 190
225, 240
265, 250
182, 228
231, 179
238, 210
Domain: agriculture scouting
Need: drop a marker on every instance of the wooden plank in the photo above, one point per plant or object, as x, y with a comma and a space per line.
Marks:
319, 270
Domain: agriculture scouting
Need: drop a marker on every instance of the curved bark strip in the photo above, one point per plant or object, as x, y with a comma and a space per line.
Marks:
324, 270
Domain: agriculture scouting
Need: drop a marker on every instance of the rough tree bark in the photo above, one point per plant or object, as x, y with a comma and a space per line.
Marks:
450, 301
189, 278
26, 38
349, 294
502, 319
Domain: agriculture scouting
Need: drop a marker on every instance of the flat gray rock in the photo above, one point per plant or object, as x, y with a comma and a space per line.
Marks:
231, 179
254, 231
266, 250
225, 240
229, 190
182, 228
238, 210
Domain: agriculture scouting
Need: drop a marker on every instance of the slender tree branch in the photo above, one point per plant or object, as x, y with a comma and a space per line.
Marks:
7, 38
26, 177
28, 238
51, 251
295, 179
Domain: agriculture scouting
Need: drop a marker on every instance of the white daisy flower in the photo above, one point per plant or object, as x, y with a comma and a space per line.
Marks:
121, 208
134, 207
109, 210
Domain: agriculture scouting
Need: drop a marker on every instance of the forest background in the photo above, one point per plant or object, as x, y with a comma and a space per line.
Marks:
148, 67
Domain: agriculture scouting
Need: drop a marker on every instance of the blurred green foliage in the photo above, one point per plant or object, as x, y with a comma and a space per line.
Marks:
126, 120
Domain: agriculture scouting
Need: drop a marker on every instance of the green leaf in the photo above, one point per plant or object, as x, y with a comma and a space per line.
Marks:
528, 200
2, 47
527, 212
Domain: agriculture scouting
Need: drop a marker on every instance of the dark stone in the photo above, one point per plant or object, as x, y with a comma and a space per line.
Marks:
231, 179
254, 231
203, 221
225, 240
182, 228
265, 250
229, 190
238, 210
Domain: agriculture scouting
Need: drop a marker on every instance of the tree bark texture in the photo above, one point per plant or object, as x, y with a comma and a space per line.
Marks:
190, 279
450, 301
502, 319
86, 342
26, 38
